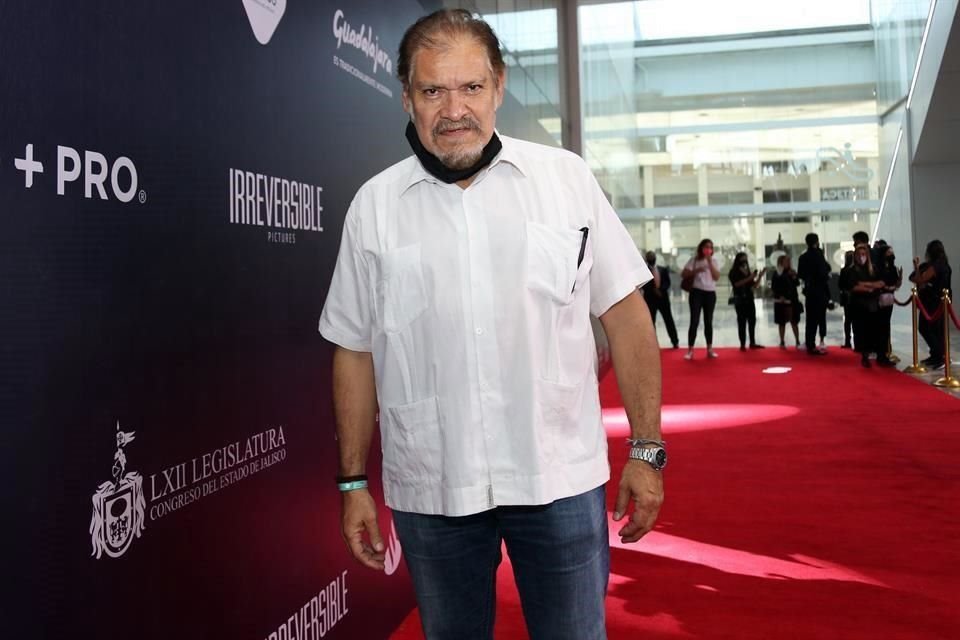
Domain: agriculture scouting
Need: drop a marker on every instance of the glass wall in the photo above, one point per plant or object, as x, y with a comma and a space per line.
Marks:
898, 26
749, 122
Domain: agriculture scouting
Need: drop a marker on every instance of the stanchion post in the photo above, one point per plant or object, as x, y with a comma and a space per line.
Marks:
947, 380
916, 367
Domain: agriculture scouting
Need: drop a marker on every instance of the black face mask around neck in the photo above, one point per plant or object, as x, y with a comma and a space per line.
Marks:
439, 170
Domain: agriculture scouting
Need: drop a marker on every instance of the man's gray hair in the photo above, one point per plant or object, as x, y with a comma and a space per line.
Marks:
437, 30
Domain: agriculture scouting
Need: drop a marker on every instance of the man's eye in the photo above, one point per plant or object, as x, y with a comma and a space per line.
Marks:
474, 88
431, 93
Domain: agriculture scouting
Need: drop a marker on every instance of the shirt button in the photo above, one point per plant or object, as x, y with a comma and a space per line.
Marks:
479, 331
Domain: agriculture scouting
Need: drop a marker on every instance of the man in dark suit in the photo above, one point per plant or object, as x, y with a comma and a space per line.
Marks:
656, 293
814, 270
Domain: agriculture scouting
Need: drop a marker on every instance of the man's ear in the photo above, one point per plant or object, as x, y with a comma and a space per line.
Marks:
501, 86
405, 101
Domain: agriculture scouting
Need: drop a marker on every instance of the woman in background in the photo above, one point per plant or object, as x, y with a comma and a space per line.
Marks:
864, 284
786, 300
703, 295
744, 281
931, 278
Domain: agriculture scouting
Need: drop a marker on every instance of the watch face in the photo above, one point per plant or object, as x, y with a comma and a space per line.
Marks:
661, 457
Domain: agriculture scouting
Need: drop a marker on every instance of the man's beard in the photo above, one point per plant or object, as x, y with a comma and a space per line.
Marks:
463, 156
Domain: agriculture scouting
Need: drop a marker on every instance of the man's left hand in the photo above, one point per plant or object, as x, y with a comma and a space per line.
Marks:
645, 485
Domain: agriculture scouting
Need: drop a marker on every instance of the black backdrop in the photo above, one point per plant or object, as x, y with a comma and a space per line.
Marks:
147, 311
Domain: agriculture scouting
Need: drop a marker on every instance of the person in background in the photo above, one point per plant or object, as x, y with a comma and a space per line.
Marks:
864, 284
892, 276
845, 301
703, 295
656, 293
931, 277
744, 281
786, 301
814, 270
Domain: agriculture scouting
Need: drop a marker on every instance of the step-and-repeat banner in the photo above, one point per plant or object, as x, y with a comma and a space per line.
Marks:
173, 182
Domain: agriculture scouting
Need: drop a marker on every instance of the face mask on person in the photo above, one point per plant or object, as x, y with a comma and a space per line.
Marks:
707, 252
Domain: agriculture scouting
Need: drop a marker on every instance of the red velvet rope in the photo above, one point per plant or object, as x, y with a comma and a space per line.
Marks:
930, 318
953, 315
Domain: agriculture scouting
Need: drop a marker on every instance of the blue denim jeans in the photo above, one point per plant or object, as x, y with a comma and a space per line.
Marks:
561, 562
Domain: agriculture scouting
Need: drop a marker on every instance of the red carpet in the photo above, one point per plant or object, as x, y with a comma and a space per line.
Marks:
817, 503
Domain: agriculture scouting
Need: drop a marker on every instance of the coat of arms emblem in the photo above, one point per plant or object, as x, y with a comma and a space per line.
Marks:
118, 506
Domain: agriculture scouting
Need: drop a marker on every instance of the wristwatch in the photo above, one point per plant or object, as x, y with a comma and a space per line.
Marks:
656, 457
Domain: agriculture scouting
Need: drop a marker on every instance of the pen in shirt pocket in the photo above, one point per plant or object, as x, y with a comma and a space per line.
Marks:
584, 232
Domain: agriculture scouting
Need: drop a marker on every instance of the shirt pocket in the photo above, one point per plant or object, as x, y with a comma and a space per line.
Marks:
401, 290
552, 256
411, 442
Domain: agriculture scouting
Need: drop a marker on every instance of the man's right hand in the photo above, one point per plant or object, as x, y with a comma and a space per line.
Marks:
359, 516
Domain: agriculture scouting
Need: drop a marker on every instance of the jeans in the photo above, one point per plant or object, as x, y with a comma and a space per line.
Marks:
707, 301
561, 562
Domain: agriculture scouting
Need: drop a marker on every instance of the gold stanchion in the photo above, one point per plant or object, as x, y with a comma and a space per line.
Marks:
916, 367
947, 380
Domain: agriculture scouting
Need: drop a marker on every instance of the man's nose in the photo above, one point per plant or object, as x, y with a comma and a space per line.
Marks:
454, 105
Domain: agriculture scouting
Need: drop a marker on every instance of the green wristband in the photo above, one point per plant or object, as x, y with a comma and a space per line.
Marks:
352, 486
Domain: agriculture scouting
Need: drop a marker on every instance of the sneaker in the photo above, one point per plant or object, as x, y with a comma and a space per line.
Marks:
688, 355
712, 354
757, 346
936, 365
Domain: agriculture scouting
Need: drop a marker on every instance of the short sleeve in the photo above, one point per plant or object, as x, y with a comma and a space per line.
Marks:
618, 268
346, 316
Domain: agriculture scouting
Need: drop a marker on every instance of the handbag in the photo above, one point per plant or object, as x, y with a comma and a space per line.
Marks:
886, 300
687, 283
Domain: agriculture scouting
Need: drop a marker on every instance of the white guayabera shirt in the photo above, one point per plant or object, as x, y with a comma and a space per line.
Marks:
477, 315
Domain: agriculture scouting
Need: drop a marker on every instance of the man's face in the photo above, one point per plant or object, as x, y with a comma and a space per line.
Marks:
453, 99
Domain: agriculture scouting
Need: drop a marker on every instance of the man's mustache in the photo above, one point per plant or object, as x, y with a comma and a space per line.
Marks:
453, 125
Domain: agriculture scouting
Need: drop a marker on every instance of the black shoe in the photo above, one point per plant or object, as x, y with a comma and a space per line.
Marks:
886, 362
935, 365
929, 360
815, 352
757, 346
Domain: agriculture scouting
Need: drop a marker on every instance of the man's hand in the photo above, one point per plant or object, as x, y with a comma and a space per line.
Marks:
359, 516
645, 485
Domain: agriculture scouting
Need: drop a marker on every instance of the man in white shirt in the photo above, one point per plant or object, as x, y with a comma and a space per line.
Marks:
461, 302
